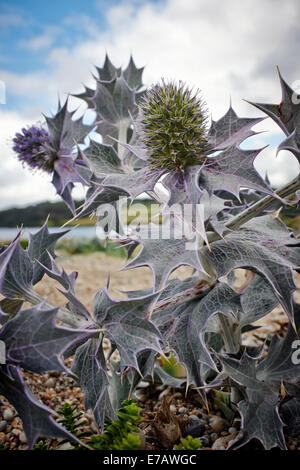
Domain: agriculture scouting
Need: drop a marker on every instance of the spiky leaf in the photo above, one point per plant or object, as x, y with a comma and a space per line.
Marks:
34, 341
90, 368
126, 325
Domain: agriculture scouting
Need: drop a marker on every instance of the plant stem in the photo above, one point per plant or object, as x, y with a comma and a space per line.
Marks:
231, 340
232, 343
256, 208
64, 315
122, 137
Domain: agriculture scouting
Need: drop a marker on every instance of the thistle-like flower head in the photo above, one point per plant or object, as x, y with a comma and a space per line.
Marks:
34, 149
173, 126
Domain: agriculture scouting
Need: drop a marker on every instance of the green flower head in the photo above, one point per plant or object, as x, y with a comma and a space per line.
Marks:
173, 126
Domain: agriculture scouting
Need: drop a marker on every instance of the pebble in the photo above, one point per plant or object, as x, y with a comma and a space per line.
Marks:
195, 430
222, 442
219, 444
22, 438
214, 436
193, 419
164, 393
50, 383
183, 410
143, 384
65, 446
8, 414
217, 424
142, 397
205, 441
2, 436
196, 413
3, 425
231, 430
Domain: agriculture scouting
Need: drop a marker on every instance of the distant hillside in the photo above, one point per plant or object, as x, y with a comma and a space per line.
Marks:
35, 215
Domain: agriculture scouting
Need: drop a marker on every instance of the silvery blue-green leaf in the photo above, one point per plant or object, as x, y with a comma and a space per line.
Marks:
6, 252
90, 368
134, 183
126, 325
34, 341
87, 96
212, 205
108, 71
270, 258
163, 256
102, 159
64, 131
291, 144
40, 243
189, 346
230, 130
104, 202
120, 384
123, 385
260, 416
184, 195
68, 283
36, 417
183, 187
257, 300
231, 170
108, 131
133, 75
271, 226
174, 289
262, 380
286, 114
184, 327
98, 196
114, 101
278, 365
18, 275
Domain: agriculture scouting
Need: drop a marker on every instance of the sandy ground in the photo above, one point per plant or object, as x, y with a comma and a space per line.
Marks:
93, 272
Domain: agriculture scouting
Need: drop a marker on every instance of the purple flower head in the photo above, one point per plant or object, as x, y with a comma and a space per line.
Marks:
34, 148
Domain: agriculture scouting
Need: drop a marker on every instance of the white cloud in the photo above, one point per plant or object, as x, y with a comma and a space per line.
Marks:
227, 49
44, 40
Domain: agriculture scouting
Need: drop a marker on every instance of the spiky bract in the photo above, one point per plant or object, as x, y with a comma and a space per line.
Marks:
173, 126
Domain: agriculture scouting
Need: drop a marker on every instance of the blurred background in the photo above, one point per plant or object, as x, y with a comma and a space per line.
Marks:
229, 50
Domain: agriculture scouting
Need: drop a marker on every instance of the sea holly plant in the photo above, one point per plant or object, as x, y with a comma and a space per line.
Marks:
218, 215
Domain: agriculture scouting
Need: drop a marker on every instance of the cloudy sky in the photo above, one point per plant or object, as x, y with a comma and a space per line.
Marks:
229, 49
